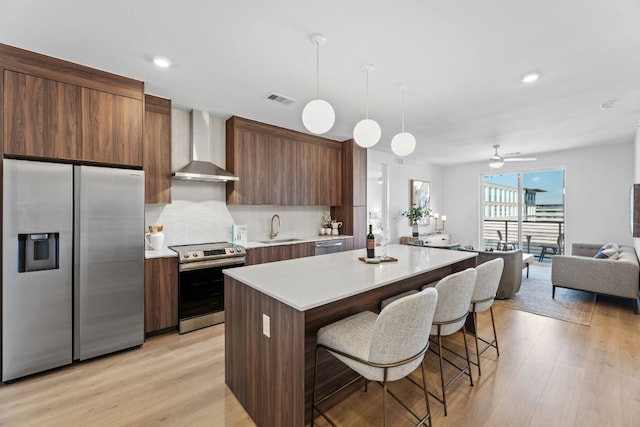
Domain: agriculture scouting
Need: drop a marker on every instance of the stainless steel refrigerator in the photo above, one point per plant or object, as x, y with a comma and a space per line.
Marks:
72, 264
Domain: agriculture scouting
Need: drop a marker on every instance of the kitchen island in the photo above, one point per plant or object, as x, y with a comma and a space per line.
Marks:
273, 312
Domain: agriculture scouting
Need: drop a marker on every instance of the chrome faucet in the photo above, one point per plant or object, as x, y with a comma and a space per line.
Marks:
274, 234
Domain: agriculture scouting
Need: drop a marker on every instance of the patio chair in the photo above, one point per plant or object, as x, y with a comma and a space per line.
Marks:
503, 245
552, 249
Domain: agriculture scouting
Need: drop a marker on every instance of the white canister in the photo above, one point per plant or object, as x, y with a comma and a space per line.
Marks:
155, 240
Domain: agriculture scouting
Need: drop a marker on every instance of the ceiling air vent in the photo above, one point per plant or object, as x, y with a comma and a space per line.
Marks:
608, 104
280, 98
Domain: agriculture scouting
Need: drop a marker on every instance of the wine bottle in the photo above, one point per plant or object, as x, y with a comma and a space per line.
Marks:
371, 243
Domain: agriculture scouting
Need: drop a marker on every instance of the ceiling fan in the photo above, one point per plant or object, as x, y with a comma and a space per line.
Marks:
496, 161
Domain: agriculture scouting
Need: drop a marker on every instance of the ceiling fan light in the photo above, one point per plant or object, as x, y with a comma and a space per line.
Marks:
496, 162
403, 144
367, 133
318, 116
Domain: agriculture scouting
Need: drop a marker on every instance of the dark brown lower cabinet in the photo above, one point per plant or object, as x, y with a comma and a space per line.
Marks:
279, 253
160, 294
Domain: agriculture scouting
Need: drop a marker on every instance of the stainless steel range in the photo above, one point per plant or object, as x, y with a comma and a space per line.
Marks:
201, 282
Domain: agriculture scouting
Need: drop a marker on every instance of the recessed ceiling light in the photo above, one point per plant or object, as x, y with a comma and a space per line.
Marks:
530, 77
161, 62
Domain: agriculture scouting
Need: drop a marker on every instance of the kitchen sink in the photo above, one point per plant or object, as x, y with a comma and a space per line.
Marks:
280, 240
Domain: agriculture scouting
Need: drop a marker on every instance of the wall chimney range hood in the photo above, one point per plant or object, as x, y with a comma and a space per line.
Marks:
201, 168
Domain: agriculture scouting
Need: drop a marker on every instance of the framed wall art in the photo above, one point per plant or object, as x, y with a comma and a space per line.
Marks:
421, 197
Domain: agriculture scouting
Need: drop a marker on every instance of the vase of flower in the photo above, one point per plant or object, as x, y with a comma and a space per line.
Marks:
416, 214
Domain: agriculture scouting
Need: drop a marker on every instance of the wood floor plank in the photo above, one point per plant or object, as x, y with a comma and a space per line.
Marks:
559, 405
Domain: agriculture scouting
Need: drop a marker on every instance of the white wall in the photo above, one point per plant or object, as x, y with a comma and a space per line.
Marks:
399, 177
597, 184
198, 212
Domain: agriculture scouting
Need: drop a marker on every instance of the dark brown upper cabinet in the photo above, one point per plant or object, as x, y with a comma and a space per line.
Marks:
40, 117
111, 128
157, 149
55, 109
278, 166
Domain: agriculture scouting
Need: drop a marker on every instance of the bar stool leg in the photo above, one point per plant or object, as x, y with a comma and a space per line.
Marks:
475, 320
384, 397
495, 336
466, 350
444, 395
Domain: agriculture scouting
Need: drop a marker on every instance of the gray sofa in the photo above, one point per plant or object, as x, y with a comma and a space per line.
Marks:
619, 277
511, 278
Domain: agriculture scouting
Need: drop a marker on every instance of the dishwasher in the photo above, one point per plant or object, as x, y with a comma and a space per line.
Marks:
328, 246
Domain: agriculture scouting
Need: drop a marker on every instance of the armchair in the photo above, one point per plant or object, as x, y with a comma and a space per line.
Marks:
511, 278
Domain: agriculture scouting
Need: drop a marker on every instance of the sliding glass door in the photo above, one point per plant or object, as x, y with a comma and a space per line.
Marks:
524, 210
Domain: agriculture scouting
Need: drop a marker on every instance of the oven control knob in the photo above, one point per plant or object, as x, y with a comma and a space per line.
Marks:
195, 254
186, 254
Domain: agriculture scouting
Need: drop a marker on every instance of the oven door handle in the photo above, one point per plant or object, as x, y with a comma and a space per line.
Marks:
199, 265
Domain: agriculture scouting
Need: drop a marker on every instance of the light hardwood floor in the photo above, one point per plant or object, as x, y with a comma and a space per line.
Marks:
549, 373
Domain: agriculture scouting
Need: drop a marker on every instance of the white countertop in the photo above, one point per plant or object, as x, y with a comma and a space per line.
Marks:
298, 239
159, 253
166, 252
306, 283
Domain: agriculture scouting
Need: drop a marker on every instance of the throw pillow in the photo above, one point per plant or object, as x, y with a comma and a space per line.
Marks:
610, 246
609, 253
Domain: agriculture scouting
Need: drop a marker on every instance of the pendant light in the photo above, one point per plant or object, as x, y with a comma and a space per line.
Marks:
367, 132
318, 115
403, 143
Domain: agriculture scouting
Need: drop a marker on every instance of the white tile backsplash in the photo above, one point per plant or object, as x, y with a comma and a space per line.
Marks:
198, 214
296, 220
201, 221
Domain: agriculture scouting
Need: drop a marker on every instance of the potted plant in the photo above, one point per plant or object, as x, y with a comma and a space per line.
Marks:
415, 214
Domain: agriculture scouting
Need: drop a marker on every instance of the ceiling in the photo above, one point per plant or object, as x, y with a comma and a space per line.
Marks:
463, 61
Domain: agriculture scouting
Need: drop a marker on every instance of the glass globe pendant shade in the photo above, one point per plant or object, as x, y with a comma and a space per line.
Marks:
318, 116
403, 144
367, 133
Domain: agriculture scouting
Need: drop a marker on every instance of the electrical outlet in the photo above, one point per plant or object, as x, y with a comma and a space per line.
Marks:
266, 326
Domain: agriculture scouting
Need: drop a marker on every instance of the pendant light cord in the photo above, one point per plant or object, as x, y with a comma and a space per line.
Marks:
403, 110
317, 70
367, 101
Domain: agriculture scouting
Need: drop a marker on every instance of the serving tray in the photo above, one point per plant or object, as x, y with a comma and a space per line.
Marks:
380, 260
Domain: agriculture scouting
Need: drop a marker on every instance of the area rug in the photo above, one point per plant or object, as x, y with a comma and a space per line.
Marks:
534, 297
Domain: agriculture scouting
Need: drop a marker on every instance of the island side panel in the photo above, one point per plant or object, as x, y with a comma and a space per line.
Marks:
331, 372
265, 374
